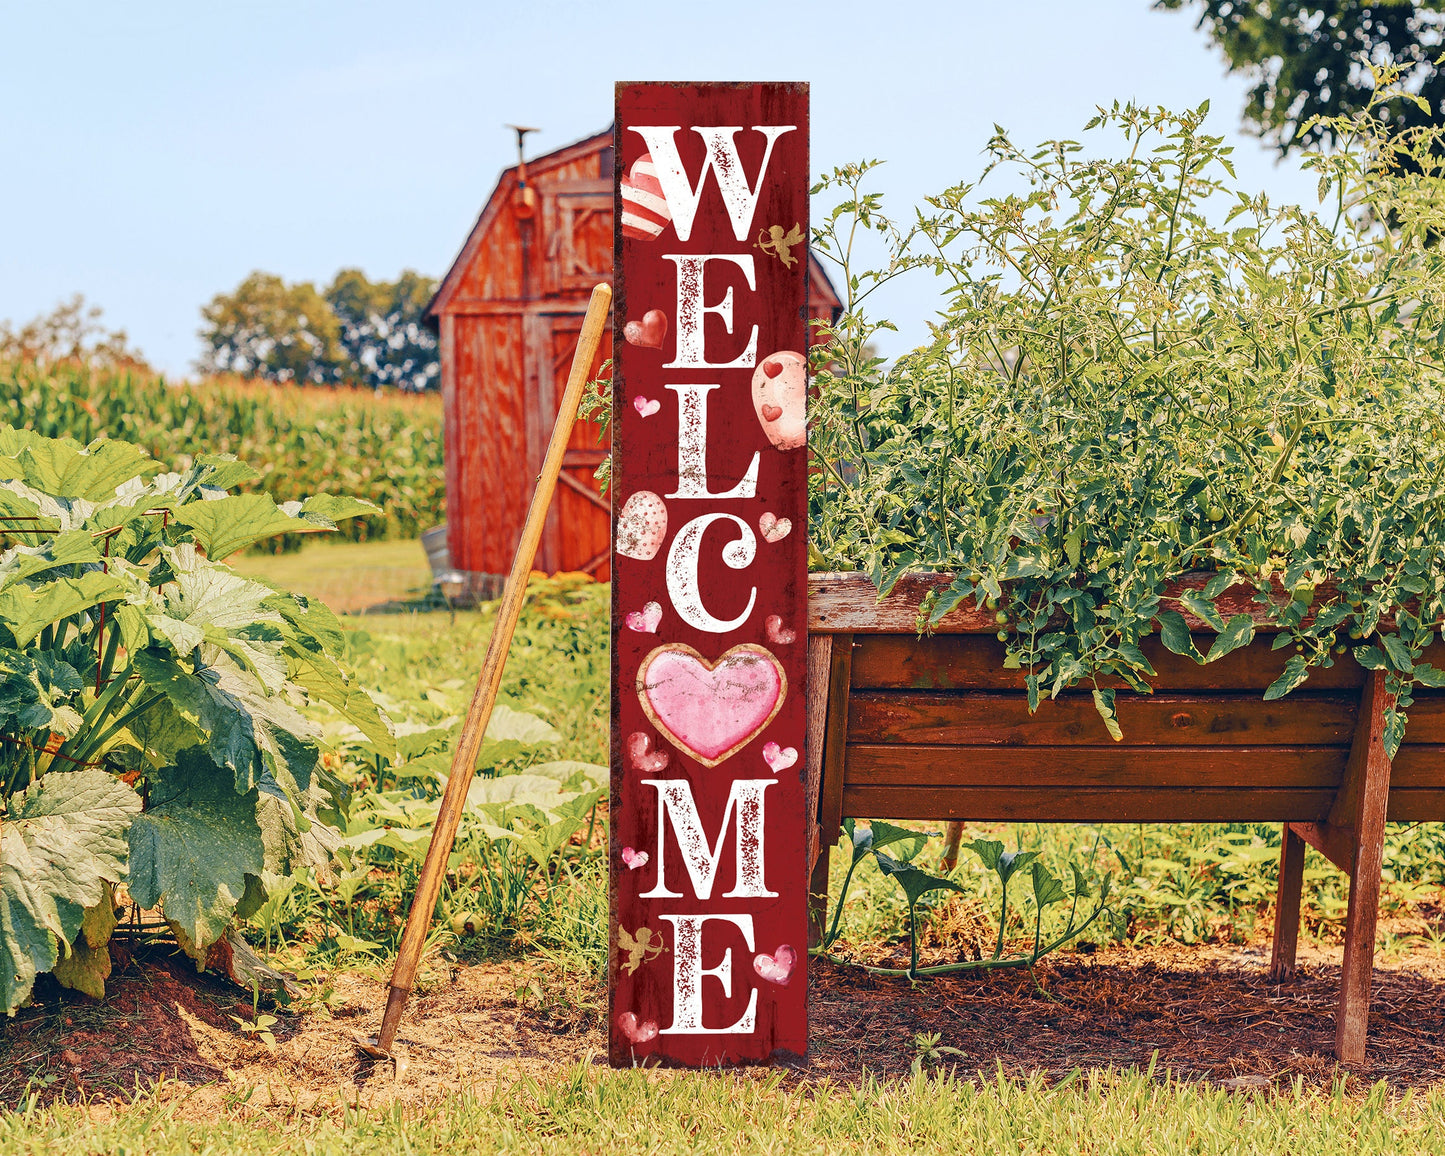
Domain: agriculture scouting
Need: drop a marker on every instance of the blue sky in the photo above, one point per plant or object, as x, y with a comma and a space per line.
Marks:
158, 152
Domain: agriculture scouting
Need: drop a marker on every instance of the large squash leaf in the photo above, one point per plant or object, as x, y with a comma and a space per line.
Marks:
63, 840
192, 850
26, 610
229, 524
86, 966
65, 468
246, 730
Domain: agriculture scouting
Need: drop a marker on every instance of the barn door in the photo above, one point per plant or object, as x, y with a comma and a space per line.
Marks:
579, 526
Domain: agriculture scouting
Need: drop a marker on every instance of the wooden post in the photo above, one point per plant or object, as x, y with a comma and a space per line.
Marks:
479, 713
1368, 784
1287, 905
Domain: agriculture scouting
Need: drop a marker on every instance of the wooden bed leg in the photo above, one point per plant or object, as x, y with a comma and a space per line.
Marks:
1370, 798
820, 654
1287, 906
830, 670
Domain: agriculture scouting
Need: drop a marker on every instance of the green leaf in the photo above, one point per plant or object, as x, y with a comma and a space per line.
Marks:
233, 523
246, 730
1047, 889
325, 510
1239, 632
1219, 584
191, 851
1104, 704
907, 843
72, 548
26, 611
1202, 608
1397, 652
1296, 670
1174, 633
1369, 657
1427, 675
62, 841
914, 881
988, 850
1074, 544
86, 966
508, 724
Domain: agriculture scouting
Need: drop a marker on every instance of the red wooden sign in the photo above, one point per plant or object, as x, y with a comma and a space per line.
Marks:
709, 573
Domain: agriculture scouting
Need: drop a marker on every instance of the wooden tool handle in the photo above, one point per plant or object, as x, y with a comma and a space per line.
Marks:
464, 758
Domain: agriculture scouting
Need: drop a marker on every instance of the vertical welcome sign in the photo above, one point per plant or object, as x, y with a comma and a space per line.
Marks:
709, 583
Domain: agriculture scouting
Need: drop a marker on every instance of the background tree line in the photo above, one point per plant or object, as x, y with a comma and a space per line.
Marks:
354, 331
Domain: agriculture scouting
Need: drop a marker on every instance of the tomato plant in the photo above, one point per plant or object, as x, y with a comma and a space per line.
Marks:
1140, 370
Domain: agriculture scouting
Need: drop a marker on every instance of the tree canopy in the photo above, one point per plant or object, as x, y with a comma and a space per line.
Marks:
1312, 59
355, 330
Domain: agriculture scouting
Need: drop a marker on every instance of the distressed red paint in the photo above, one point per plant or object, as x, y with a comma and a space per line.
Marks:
709, 939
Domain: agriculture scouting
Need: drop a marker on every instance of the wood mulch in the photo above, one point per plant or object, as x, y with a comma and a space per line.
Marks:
1209, 1013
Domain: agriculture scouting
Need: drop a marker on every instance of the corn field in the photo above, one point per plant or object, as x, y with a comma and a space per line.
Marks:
386, 448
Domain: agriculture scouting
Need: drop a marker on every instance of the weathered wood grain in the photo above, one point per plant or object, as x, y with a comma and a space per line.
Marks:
975, 662
1089, 804
913, 717
844, 601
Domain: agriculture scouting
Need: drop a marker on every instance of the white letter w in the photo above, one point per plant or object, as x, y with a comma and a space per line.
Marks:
722, 158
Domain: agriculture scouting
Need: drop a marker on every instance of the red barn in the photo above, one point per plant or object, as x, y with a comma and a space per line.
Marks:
509, 312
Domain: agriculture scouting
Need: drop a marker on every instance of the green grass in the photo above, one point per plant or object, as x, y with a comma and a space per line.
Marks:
347, 576
587, 1110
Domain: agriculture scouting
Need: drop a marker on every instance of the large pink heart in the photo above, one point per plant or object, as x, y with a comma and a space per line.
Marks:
711, 710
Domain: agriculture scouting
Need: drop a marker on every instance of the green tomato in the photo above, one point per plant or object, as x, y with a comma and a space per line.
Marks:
1002, 635
1215, 513
1001, 618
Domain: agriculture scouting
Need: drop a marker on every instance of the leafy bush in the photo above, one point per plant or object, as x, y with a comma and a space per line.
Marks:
1140, 371
150, 702
301, 441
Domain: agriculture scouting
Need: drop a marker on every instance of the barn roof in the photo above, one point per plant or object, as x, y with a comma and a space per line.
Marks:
818, 281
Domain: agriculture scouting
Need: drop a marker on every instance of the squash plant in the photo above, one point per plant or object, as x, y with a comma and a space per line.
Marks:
1138, 371
151, 729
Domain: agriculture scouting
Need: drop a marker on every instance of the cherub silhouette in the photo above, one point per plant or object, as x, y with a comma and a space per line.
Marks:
779, 243
642, 949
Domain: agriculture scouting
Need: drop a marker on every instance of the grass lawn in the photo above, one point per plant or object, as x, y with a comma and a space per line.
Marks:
348, 576
590, 1110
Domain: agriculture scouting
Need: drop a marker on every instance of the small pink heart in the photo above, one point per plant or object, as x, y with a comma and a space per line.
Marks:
774, 528
776, 633
772, 412
634, 859
772, 368
779, 758
778, 967
646, 406
640, 1033
643, 757
645, 621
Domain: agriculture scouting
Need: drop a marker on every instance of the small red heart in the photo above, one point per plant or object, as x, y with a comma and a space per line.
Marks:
649, 332
772, 412
634, 1032
772, 369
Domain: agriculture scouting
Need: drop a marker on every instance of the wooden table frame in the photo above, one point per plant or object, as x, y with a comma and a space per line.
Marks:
946, 744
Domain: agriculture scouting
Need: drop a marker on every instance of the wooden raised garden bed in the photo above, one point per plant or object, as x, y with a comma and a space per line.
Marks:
902, 727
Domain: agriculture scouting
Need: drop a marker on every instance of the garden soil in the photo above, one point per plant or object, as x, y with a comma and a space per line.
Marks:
1208, 1013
